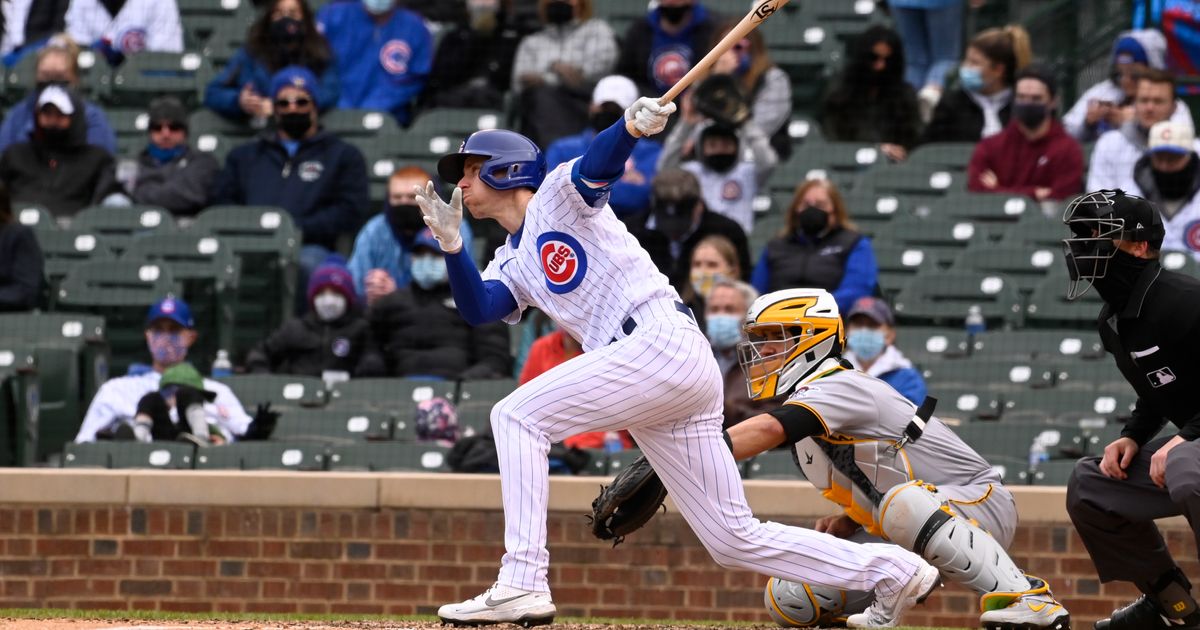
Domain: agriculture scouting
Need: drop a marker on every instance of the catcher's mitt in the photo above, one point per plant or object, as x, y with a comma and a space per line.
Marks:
629, 502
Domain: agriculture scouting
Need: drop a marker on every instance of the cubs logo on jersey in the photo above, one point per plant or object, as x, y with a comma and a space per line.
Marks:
394, 56
669, 64
131, 41
563, 261
1191, 236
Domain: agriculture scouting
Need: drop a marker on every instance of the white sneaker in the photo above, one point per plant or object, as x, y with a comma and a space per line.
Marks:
886, 610
501, 604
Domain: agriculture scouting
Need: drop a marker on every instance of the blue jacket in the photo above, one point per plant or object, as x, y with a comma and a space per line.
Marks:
222, 92
18, 124
908, 381
631, 193
323, 186
376, 247
380, 67
859, 279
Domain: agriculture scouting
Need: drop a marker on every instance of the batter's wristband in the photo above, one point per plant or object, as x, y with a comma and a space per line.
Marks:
728, 440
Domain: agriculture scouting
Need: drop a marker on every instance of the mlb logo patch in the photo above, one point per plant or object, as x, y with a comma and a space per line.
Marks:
1160, 377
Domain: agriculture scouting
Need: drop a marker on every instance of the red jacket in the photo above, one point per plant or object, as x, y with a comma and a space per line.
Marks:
1053, 161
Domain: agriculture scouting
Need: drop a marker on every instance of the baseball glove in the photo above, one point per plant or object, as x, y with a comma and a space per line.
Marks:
720, 98
629, 502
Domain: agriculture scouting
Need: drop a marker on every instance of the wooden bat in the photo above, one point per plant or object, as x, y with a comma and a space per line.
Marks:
756, 16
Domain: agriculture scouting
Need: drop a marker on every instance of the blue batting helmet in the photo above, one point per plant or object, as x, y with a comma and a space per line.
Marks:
513, 161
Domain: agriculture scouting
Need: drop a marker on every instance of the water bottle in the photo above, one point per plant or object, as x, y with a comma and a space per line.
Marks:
1037, 453
613, 442
222, 366
975, 322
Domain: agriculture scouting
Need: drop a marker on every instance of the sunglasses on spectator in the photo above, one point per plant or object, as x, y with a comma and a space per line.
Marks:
176, 127
282, 103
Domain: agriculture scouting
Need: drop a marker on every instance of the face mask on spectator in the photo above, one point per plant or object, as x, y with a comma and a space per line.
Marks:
429, 271
812, 221
329, 305
865, 343
55, 136
559, 12
1176, 185
702, 281
405, 220
720, 162
295, 124
378, 7
724, 331
971, 78
674, 15
1031, 115
286, 30
167, 348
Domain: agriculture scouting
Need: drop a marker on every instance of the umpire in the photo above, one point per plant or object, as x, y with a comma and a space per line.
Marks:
1150, 323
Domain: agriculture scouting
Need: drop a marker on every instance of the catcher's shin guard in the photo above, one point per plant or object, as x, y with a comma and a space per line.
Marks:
799, 605
913, 516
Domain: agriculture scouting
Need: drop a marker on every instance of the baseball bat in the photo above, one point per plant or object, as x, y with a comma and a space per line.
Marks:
756, 16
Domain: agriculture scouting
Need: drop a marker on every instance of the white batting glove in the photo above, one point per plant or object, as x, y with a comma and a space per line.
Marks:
647, 116
442, 218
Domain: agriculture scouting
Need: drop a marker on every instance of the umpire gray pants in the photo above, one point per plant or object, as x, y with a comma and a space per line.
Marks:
1115, 517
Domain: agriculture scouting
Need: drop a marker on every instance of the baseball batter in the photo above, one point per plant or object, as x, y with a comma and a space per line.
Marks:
647, 368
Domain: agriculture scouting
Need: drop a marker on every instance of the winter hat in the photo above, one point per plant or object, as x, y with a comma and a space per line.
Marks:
332, 274
168, 109
185, 374
294, 76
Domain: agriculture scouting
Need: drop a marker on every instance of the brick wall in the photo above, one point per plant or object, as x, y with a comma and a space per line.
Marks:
410, 560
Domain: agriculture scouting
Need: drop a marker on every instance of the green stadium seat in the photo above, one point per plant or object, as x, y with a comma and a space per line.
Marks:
804, 130
359, 123
206, 121
332, 426
268, 455
284, 392
898, 265
620, 460
1049, 307
1180, 262
1013, 470
1037, 344
1055, 472
910, 179
1038, 230
923, 344
476, 399
871, 212
958, 403
34, 215
86, 455
397, 397
1009, 438
1089, 438
148, 75
943, 299
1057, 404
996, 376
217, 37
774, 464
87, 333
952, 156
839, 163
457, 122
389, 456
597, 462
163, 455
1087, 375
19, 401
1004, 209
1026, 266
120, 225
65, 249
810, 70
20, 78
942, 238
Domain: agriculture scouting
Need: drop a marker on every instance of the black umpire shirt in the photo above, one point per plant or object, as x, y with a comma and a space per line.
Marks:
1156, 342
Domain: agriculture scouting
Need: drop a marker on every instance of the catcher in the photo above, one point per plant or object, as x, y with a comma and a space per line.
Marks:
872, 452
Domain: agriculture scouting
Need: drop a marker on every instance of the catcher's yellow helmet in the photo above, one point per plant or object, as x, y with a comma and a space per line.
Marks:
789, 333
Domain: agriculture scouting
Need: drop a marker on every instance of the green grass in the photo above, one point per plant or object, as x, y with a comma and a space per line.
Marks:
155, 615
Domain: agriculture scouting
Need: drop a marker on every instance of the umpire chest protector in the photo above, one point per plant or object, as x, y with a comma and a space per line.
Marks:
820, 264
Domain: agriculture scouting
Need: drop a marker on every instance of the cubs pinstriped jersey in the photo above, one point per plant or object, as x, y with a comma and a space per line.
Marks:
117, 400
577, 263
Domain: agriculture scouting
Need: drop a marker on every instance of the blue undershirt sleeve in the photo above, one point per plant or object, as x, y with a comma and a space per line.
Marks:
479, 302
603, 164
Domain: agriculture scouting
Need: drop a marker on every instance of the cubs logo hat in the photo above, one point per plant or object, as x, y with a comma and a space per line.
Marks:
171, 308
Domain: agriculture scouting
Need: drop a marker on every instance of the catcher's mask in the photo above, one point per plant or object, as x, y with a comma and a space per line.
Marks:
1097, 220
789, 333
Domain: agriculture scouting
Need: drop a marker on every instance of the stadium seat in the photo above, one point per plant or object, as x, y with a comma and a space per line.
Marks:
284, 392
1049, 307
997, 376
87, 333
1013, 470
1011, 439
958, 403
148, 75
476, 399
217, 37
398, 397
1058, 405
619, 460
923, 344
389, 456
1026, 266
870, 211
458, 123
1037, 344
86, 455
64, 249
1181, 262
34, 215
597, 462
943, 299
1000, 208
19, 78
951, 156
1087, 375
898, 264
120, 225
1055, 472
19, 401
1038, 230
808, 66
774, 464
915, 180
350, 124
263, 456
131, 126
332, 426
943, 238
205, 121
164, 455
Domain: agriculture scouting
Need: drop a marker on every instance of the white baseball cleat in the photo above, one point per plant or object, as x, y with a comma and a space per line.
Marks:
886, 610
501, 604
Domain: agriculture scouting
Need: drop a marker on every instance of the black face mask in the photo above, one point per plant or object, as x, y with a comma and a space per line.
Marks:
55, 137
720, 162
812, 221
674, 15
1177, 185
1030, 115
608, 115
559, 12
405, 221
1117, 284
295, 124
286, 31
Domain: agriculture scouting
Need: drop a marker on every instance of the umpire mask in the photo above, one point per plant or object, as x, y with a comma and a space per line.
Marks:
1096, 220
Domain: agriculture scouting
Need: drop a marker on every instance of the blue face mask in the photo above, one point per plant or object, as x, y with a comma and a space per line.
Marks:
970, 78
724, 331
429, 271
866, 343
161, 155
377, 7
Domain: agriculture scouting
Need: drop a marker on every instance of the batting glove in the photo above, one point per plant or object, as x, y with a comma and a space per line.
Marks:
647, 116
442, 218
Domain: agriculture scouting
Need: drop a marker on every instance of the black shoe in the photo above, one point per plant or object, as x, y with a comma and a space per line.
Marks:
1142, 614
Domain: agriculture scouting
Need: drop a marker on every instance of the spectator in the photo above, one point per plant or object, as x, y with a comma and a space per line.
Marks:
21, 261
714, 258
871, 102
656, 52
714, 154
766, 87
332, 337
118, 29
1119, 149
422, 334
1033, 156
819, 248
285, 34
382, 258
1168, 175
870, 347
170, 331
679, 221
28, 25
1109, 104
725, 310
382, 54
932, 34
169, 173
557, 67
980, 106
318, 178
631, 195
56, 167
56, 65
474, 61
